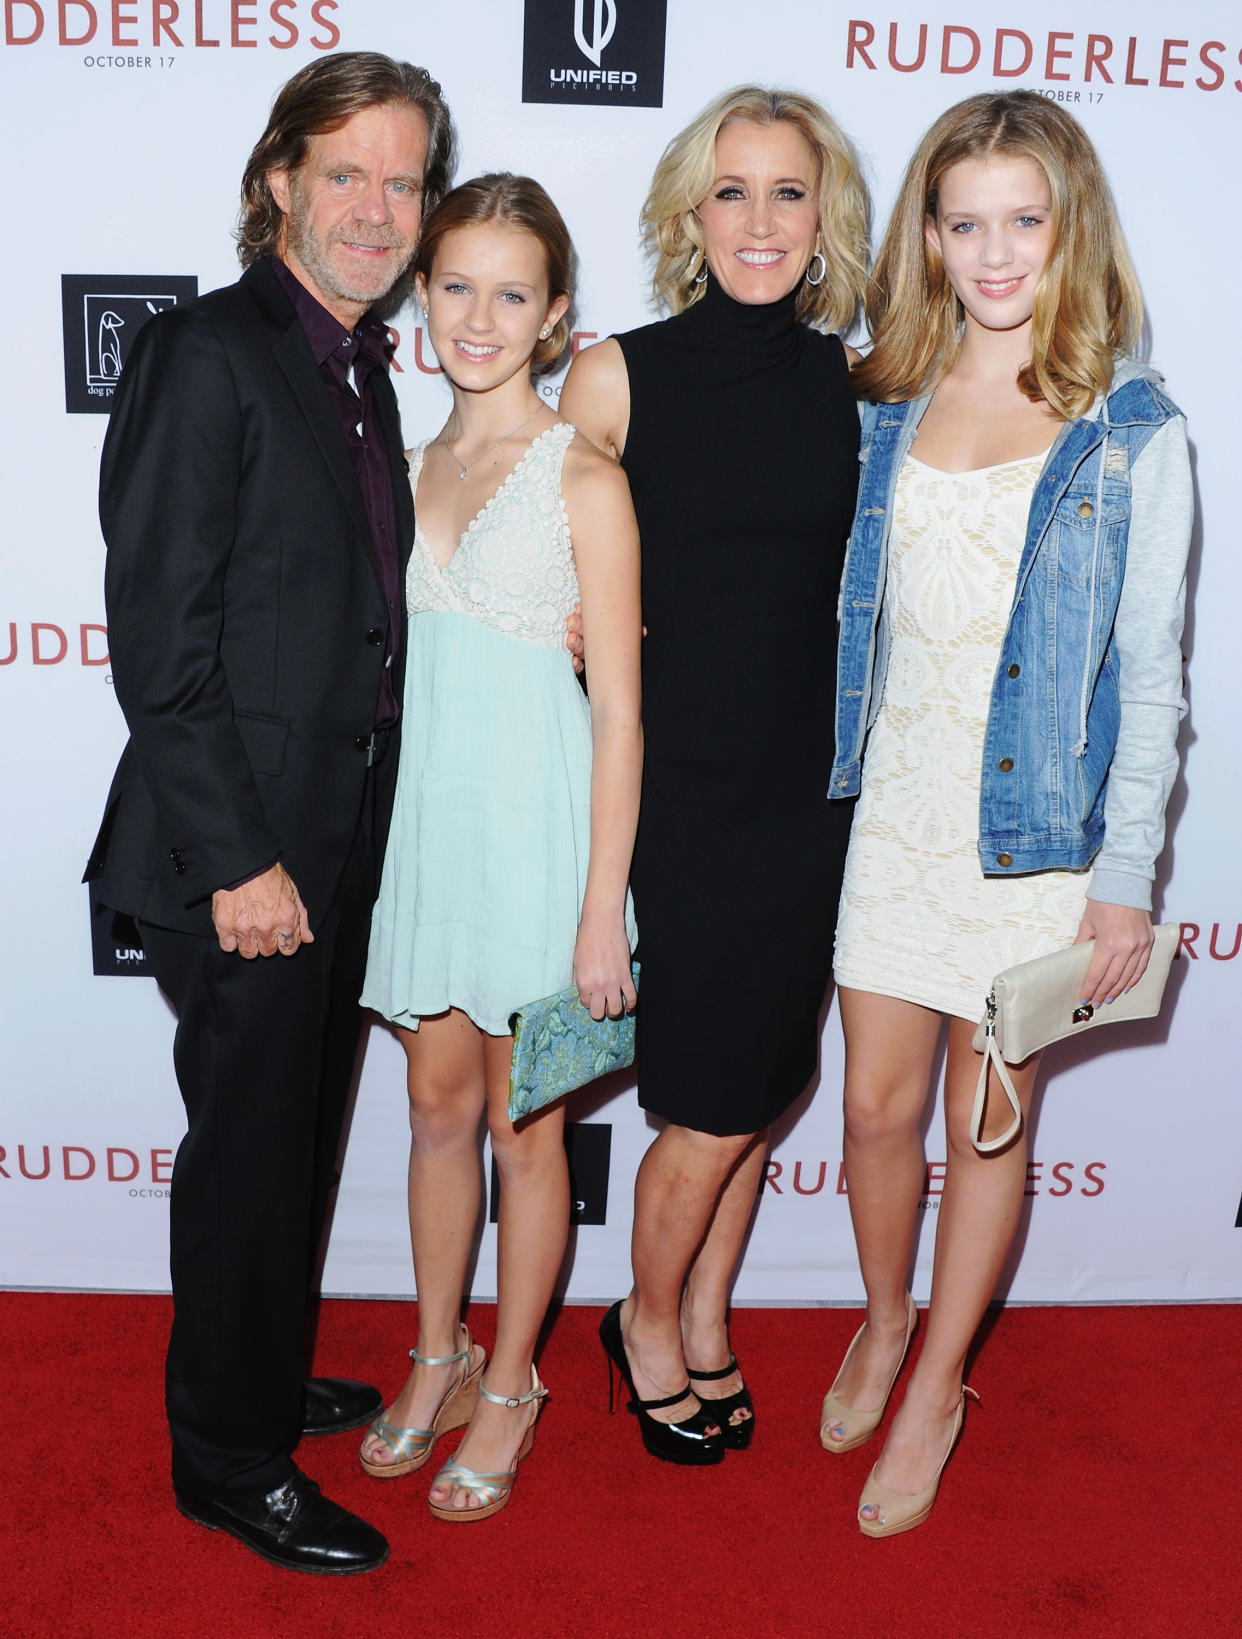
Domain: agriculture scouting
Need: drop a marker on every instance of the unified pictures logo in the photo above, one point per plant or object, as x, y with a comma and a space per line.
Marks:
603, 27
594, 51
101, 313
116, 944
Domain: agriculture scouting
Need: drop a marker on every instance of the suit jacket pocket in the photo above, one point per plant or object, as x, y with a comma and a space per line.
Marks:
265, 739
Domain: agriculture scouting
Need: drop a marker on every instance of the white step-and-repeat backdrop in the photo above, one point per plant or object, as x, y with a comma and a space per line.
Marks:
127, 123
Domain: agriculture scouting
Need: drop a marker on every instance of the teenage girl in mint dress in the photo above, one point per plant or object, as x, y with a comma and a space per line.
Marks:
507, 863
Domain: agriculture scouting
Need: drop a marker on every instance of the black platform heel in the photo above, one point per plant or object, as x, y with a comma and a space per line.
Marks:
737, 1436
688, 1442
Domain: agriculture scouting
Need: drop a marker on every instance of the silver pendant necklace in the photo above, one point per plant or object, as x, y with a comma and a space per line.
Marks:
463, 470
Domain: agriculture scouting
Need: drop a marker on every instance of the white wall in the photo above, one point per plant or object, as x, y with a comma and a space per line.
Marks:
124, 160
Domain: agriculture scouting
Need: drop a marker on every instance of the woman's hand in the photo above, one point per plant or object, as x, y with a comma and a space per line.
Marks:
602, 968
1123, 941
573, 636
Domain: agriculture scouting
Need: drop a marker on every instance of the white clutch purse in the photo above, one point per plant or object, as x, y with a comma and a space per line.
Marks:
1039, 1002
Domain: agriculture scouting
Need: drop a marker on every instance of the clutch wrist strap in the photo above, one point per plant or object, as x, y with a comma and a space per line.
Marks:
992, 1056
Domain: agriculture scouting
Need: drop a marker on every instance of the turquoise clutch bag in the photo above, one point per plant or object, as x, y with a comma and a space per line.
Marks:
558, 1046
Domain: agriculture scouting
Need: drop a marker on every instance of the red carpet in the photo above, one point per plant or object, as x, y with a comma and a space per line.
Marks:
1095, 1492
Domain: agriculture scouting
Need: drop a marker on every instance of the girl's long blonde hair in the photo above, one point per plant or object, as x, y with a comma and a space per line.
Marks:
1088, 306
684, 175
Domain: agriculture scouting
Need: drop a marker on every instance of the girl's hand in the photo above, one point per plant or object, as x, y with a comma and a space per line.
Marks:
602, 969
573, 636
1123, 942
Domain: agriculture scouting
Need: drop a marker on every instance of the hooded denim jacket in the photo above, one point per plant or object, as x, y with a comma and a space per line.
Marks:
1088, 682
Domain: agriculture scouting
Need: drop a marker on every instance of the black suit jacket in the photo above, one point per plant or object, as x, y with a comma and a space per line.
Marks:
247, 622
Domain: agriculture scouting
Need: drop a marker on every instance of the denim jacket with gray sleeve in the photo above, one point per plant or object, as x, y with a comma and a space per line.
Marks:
1080, 750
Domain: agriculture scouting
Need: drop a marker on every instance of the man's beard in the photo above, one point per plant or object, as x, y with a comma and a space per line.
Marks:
313, 250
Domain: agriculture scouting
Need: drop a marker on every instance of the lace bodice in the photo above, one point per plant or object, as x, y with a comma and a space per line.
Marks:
919, 920
957, 540
514, 567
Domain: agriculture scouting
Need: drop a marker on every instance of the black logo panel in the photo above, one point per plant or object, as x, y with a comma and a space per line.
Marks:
594, 51
115, 945
101, 314
588, 1145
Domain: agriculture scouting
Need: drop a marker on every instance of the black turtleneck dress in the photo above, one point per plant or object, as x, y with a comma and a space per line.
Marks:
742, 459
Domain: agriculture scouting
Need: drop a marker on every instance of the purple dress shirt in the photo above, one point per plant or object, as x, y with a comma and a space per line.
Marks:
338, 351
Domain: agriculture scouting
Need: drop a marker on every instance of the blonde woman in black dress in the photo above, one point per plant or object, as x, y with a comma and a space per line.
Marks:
735, 423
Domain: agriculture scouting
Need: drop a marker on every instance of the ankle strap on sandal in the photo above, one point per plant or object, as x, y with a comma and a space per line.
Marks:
443, 1359
713, 1377
662, 1405
535, 1392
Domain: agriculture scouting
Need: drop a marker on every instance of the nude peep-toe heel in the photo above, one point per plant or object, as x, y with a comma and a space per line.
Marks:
411, 1447
859, 1426
492, 1490
898, 1511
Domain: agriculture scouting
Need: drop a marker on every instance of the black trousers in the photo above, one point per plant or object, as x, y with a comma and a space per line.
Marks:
264, 1055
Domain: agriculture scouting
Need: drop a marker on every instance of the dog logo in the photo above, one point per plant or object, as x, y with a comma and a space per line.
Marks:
101, 315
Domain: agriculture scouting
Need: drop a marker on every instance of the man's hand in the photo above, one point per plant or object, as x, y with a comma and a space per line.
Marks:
262, 917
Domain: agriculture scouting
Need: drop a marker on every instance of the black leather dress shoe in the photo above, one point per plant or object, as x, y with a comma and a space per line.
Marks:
334, 1404
295, 1526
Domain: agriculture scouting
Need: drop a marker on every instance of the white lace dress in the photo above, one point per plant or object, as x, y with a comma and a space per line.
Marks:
487, 855
919, 920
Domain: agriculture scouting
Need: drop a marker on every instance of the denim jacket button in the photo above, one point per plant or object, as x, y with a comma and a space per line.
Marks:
1005, 765
1085, 509
1004, 859
1013, 670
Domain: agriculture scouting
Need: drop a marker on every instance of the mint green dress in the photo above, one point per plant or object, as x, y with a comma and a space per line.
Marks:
487, 854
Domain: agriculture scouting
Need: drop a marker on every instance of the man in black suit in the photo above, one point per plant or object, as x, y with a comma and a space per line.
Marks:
257, 514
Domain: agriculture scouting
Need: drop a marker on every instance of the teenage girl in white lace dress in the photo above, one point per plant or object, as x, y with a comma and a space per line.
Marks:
1002, 304
505, 875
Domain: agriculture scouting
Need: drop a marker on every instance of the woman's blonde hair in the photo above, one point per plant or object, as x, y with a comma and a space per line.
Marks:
670, 225
1088, 306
